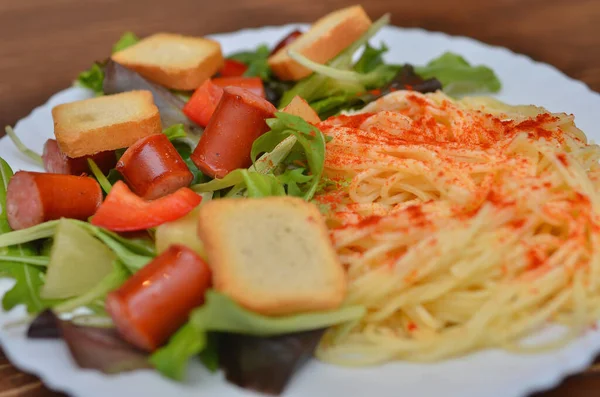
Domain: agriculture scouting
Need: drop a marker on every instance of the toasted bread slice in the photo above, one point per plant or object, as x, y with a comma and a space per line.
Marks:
175, 61
105, 123
326, 38
299, 107
272, 255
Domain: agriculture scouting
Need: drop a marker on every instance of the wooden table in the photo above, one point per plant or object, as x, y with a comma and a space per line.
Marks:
46, 43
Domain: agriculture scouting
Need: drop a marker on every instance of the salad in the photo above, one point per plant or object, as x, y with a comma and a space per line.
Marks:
104, 246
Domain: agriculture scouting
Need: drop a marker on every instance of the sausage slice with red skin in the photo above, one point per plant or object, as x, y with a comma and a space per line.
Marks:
55, 161
158, 299
153, 168
36, 197
227, 140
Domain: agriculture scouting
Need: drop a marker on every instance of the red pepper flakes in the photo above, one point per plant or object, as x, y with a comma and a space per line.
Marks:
563, 159
517, 223
535, 258
411, 327
411, 276
353, 121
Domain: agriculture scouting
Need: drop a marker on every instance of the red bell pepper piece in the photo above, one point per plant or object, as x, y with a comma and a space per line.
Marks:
123, 211
203, 103
252, 84
233, 68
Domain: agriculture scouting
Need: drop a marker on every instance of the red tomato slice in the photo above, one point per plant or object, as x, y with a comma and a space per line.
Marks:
203, 103
233, 68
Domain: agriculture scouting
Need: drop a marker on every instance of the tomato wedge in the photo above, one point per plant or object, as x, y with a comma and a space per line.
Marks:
233, 68
252, 84
203, 103
123, 211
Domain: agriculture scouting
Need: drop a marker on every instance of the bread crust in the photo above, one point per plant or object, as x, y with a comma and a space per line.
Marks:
321, 48
179, 77
226, 280
76, 140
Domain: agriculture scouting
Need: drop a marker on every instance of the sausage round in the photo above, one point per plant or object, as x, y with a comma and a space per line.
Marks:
227, 140
153, 168
158, 299
36, 197
55, 161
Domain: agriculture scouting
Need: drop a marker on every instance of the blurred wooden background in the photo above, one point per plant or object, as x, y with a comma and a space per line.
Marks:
45, 43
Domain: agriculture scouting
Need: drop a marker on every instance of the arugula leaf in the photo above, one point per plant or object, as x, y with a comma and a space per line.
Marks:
377, 77
458, 77
256, 61
172, 359
100, 177
313, 142
93, 78
292, 178
332, 105
221, 314
35, 157
370, 59
175, 131
127, 40
29, 280
262, 185
291, 138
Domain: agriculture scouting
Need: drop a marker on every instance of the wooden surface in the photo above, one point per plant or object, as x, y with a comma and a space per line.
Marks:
44, 44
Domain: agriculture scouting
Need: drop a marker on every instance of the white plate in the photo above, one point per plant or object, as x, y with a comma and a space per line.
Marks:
489, 373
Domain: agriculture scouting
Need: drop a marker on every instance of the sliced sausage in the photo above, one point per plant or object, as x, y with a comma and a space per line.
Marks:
36, 197
55, 161
227, 140
153, 168
158, 299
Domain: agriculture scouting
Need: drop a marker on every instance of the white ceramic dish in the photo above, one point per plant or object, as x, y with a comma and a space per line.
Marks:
489, 373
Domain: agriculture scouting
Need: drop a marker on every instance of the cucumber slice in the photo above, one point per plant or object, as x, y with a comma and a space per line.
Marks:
78, 262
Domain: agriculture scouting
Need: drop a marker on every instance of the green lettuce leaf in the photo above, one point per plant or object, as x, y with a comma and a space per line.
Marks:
370, 59
458, 77
176, 131
93, 78
221, 314
127, 40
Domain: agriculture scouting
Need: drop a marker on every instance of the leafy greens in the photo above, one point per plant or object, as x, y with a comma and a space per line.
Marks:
220, 313
93, 78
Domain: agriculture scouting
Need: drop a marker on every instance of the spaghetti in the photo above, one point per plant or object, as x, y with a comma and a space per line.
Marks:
462, 224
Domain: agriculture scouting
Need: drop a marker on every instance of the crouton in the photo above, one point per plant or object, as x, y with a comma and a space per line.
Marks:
104, 123
175, 61
326, 38
272, 255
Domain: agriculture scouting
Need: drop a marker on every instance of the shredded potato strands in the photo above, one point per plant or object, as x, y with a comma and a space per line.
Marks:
462, 225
